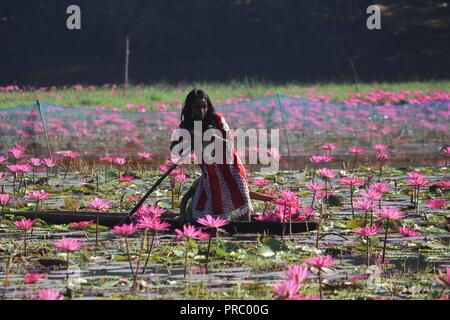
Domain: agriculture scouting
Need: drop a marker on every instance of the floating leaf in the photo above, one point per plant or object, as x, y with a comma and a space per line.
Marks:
165, 205
228, 246
59, 228
274, 244
265, 251
435, 245
115, 257
355, 223
71, 204
430, 229
84, 260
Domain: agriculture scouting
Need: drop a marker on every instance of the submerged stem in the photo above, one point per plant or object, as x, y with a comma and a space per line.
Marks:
129, 256
185, 256
320, 283
149, 251
385, 239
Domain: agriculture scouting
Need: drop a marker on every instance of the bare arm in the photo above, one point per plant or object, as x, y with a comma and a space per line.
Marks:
260, 196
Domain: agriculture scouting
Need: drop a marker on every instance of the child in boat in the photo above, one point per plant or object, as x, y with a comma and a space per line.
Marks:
223, 187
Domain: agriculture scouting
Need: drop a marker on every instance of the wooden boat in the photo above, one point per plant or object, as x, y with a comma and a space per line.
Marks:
113, 219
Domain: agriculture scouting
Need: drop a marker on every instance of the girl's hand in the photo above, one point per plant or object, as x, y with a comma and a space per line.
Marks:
261, 197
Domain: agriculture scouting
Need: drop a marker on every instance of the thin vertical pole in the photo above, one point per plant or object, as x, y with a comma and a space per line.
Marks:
127, 54
355, 77
285, 130
45, 129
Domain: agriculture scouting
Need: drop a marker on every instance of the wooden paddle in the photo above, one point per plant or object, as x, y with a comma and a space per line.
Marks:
155, 185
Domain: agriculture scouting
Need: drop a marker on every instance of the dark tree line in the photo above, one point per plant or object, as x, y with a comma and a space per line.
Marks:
276, 40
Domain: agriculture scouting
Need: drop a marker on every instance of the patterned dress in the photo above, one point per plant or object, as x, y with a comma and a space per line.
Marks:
223, 188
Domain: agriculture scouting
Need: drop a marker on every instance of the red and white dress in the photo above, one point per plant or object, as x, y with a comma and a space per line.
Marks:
223, 188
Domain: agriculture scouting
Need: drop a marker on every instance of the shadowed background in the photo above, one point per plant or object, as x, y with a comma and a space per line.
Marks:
175, 41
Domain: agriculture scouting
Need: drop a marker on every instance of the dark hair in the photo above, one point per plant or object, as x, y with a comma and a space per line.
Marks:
186, 114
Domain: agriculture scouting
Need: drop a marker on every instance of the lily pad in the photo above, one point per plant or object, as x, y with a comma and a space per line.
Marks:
355, 223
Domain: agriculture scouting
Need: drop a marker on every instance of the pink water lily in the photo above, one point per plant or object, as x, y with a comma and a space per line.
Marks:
24, 224
81, 225
287, 289
408, 232
49, 162
314, 188
35, 162
151, 211
154, 224
261, 182
106, 160
325, 173
31, 278
328, 146
99, 205
392, 214
371, 194
125, 230
20, 168
415, 175
388, 214
4, 200
177, 172
367, 231
351, 182
357, 151
38, 195
320, 262
434, 203
17, 153
213, 223
287, 206
297, 273
144, 155
417, 180
180, 179
364, 204
71, 155
119, 161
125, 179
68, 245
48, 294
320, 159
379, 148
380, 187
190, 232
445, 185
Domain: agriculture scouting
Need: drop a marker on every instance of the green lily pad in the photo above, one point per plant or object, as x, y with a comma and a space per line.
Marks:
71, 204
265, 251
355, 223
274, 244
